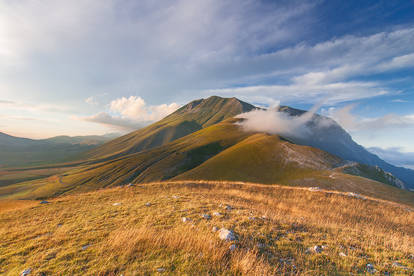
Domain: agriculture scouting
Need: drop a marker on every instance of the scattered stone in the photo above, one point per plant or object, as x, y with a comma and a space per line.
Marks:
215, 229
342, 254
233, 247
206, 216
228, 207
85, 247
314, 189
161, 269
225, 234
148, 204
264, 217
399, 265
44, 202
355, 195
26, 272
59, 225
371, 269
315, 249
175, 197
116, 204
217, 214
324, 247
184, 219
130, 185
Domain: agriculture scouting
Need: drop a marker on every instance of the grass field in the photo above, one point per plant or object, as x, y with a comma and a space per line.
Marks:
274, 225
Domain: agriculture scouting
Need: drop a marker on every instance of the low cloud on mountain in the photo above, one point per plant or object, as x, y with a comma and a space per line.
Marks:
395, 156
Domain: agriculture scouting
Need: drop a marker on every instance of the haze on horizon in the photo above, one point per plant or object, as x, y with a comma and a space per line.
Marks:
87, 67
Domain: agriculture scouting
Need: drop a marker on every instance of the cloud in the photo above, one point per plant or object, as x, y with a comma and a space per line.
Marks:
355, 123
91, 100
131, 113
395, 156
281, 123
6, 102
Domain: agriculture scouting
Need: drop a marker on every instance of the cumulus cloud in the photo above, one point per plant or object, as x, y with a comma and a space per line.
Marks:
354, 123
395, 156
282, 123
131, 113
91, 100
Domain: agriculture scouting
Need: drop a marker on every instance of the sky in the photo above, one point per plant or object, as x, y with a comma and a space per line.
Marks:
85, 67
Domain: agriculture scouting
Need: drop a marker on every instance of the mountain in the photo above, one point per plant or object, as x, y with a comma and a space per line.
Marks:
16, 151
222, 151
331, 137
192, 117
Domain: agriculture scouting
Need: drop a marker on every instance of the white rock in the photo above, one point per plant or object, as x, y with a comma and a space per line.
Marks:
371, 269
314, 189
116, 204
26, 272
399, 265
227, 207
130, 185
161, 269
225, 234
233, 247
184, 219
206, 216
175, 197
217, 214
342, 254
315, 249
215, 229
148, 204
85, 247
355, 195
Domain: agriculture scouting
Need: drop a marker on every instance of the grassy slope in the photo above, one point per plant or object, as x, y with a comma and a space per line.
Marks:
188, 119
219, 152
86, 235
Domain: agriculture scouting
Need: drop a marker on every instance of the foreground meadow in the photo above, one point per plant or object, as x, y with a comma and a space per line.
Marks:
171, 228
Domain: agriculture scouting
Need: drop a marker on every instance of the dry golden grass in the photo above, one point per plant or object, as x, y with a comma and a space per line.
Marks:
86, 234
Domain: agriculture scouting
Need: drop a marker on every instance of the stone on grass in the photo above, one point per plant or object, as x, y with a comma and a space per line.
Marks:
148, 204
314, 189
161, 269
206, 216
86, 246
314, 249
130, 185
355, 195
371, 269
225, 234
342, 254
227, 207
26, 272
175, 197
232, 247
184, 219
399, 265
217, 214
215, 229
116, 204
44, 202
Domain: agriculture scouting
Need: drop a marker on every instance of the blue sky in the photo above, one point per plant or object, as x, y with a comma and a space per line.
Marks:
95, 66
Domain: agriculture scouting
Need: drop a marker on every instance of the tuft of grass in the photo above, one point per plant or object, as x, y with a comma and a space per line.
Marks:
275, 225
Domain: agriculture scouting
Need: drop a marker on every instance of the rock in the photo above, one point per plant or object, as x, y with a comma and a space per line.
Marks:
315, 249
217, 214
225, 234
342, 254
130, 185
85, 247
399, 265
148, 204
44, 202
355, 195
215, 229
116, 204
227, 207
371, 269
161, 269
26, 272
206, 216
233, 247
314, 189
184, 219
175, 197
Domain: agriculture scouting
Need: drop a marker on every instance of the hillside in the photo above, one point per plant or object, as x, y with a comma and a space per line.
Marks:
186, 120
16, 151
221, 151
159, 229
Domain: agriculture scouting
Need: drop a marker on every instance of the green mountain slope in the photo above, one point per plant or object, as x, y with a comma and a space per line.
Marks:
221, 152
194, 116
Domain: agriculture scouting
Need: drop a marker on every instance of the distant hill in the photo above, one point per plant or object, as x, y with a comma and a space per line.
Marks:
16, 151
186, 120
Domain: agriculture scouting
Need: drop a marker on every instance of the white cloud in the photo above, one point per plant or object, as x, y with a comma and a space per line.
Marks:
131, 113
353, 123
91, 100
395, 155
